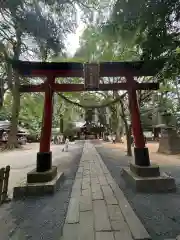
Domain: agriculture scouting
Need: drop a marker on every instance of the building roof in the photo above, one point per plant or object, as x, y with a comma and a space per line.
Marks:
5, 125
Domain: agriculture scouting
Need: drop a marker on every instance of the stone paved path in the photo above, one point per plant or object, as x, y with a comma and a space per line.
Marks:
98, 209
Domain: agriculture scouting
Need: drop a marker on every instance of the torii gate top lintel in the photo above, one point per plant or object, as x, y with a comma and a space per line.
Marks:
75, 69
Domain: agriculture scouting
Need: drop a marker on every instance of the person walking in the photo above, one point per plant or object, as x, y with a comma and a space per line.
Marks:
65, 149
114, 139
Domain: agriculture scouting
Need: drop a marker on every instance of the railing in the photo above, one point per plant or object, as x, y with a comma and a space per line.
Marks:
4, 180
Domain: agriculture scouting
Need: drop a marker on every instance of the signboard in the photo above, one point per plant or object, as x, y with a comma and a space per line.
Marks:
91, 76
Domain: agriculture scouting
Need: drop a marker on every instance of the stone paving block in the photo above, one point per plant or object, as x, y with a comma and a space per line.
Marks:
76, 189
86, 192
86, 186
113, 186
79, 175
111, 200
73, 211
97, 195
70, 232
86, 231
115, 213
85, 203
109, 178
80, 169
76, 192
86, 183
136, 227
120, 226
123, 235
109, 196
77, 183
98, 169
86, 180
94, 179
117, 219
86, 174
105, 170
97, 192
103, 166
102, 180
86, 167
101, 216
94, 182
94, 176
104, 236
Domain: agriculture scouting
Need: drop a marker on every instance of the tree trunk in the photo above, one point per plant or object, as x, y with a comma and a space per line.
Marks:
119, 131
14, 86
12, 138
127, 130
118, 135
61, 124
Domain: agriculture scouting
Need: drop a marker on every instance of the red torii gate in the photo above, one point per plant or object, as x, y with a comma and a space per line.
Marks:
91, 72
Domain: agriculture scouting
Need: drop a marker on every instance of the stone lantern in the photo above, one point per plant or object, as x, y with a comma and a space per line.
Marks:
169, 141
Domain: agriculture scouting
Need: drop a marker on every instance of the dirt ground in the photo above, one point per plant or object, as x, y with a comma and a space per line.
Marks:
23, 161
154, 155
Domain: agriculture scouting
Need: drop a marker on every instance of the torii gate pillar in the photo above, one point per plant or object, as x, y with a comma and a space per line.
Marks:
143, 176
44, 171
44, 156
141, 153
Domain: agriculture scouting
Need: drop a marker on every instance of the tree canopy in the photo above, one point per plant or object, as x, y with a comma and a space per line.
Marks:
154, 25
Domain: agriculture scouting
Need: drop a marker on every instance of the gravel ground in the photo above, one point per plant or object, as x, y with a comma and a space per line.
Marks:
160, 213
43, 217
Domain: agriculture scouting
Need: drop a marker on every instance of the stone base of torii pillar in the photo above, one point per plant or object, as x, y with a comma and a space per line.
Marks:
44, 180
147, 178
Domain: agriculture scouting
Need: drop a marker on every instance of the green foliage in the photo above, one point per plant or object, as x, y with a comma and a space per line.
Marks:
153, 24
97, 46
70, 129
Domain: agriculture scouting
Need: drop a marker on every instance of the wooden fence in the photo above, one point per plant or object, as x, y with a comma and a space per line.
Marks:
4, 179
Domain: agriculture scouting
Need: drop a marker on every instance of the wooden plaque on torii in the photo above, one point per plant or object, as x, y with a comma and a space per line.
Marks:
91, 76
